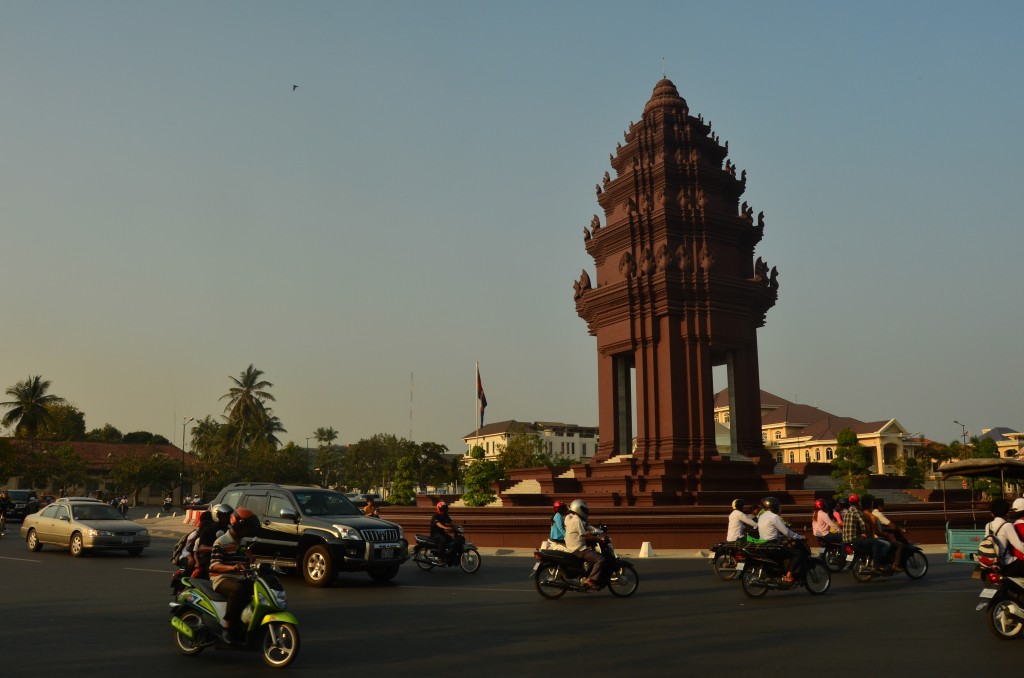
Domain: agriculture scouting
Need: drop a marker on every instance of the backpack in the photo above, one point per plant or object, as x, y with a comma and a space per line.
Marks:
178, 548
989, 547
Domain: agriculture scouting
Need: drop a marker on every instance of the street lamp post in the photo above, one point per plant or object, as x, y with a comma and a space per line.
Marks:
181, 475
963, 434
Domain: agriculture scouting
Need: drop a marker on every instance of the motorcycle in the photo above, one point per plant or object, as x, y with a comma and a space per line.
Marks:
558, 571
724, 556
167, 505
764, 567
197, 613
863, 568
462, 553
1002, 599
833, 554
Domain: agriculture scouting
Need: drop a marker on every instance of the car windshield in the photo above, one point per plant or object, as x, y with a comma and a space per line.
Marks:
21, 495
95, 512
325, 503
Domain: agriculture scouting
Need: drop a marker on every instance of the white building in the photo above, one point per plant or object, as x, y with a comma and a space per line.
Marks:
569, 441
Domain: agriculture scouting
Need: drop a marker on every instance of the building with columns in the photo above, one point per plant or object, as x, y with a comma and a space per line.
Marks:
569, 441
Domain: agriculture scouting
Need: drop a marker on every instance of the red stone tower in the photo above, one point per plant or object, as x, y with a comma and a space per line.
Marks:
676, 292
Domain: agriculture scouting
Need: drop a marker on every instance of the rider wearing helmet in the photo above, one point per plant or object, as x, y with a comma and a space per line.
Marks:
558, 523
207, 535
578, 539
739, 521
227, 565
771, 526
840, 508
857, 533
822, 525
442, 529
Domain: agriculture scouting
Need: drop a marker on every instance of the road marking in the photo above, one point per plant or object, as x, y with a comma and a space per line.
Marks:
139, 569
21, 560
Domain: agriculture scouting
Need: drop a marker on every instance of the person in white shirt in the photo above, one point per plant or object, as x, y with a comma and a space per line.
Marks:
771, 526
739, 522
578, 538
1009, 541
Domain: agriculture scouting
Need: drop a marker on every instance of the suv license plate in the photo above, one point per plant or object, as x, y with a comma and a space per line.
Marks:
387, 553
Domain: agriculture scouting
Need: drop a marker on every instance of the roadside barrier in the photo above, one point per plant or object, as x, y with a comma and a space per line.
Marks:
646, 550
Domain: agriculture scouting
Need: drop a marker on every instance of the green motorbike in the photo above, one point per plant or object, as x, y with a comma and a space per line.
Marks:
198, 610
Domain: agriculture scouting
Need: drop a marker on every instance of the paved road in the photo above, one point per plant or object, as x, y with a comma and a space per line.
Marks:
105, 614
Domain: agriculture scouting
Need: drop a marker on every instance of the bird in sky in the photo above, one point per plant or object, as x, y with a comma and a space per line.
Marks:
294, 87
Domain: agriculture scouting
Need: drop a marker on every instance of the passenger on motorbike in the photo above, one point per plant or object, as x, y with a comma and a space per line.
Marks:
739, 521
579, 538
207, 536
867, 504
557, 533
857, 533
442, 530
822, 526
1010, 543
889, 531
188, 559
1017, 512
837, 513
228, 562
771, 527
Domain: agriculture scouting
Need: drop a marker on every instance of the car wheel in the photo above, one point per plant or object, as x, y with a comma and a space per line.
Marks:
318, 567
32, 541
77, 546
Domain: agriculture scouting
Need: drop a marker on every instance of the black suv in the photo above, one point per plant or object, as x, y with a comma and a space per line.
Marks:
23, 503
318, 531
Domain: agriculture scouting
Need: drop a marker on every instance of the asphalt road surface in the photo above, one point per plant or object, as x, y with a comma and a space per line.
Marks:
106, 615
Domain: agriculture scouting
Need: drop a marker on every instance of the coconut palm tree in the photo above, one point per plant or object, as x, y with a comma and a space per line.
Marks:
28, 409
325, 435
246, 412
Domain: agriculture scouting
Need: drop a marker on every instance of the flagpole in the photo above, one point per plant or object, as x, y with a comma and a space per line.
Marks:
476, 409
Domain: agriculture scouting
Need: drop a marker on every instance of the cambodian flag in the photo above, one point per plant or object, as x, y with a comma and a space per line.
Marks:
481, 399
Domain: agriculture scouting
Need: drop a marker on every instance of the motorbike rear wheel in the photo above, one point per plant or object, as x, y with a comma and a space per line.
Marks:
185, 646
835, 559
549, 573
725, 566
860, 570
280, 644
817, 579
421, 554
1000, 623
917, 565
624, 581
751, 583
470, 561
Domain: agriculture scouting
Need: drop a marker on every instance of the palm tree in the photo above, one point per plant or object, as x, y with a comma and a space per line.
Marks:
28, 411
271, 427
325, 436
246, 411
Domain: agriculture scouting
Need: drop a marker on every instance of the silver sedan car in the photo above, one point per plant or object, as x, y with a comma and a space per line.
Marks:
80, 525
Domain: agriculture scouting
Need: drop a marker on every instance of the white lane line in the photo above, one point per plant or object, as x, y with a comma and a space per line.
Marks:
20, 560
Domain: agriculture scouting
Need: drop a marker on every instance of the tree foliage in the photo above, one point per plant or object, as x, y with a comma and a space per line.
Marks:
107, 434
65, 422
479, 475
27, 410
850, 465
131, 472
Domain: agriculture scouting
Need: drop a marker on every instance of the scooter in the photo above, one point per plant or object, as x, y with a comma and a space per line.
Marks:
558, 571
462, 553
197, 615
863, 568
1002, 599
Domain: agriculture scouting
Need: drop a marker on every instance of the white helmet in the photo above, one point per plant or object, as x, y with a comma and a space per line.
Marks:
580, 508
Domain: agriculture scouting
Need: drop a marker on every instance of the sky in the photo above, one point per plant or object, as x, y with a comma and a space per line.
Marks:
173, 210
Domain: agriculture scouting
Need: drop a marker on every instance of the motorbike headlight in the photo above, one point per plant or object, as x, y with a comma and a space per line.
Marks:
347, 532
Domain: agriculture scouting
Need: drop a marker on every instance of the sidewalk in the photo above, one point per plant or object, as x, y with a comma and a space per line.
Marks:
173, 526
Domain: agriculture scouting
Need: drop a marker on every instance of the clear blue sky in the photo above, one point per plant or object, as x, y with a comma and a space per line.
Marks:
172, 211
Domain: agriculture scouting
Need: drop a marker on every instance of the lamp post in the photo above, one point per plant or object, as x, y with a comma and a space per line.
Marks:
963, 434
181, 475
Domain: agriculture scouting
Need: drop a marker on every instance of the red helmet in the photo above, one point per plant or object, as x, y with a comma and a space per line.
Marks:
819, 504
442, 507
245, 523
854, 499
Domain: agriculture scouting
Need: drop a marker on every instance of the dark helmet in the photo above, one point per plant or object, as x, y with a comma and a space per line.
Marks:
205, 518
222, 512
245, 523
441, 507
737, 504
819, 504
770, 504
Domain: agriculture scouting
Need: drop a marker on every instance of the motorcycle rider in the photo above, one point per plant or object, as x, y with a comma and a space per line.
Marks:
442, 531
771, 527
578, 539
5, 505
1010, 542
557, 533
840, 508
207, 536
890, 532
867, 504
739, 522
857, 533
823, 527
227, 563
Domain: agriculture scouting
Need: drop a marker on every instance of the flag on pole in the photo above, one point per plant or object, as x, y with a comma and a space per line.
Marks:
481, 399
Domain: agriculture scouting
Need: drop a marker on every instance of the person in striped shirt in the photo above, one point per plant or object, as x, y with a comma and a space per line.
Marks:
228, 563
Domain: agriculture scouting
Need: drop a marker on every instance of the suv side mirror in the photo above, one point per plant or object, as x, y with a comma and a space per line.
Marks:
289, 514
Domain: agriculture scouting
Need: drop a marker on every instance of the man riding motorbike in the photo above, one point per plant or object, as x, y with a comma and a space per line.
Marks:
857, 533
771, 527
228, 562
442, 530
207, 536
579, 537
